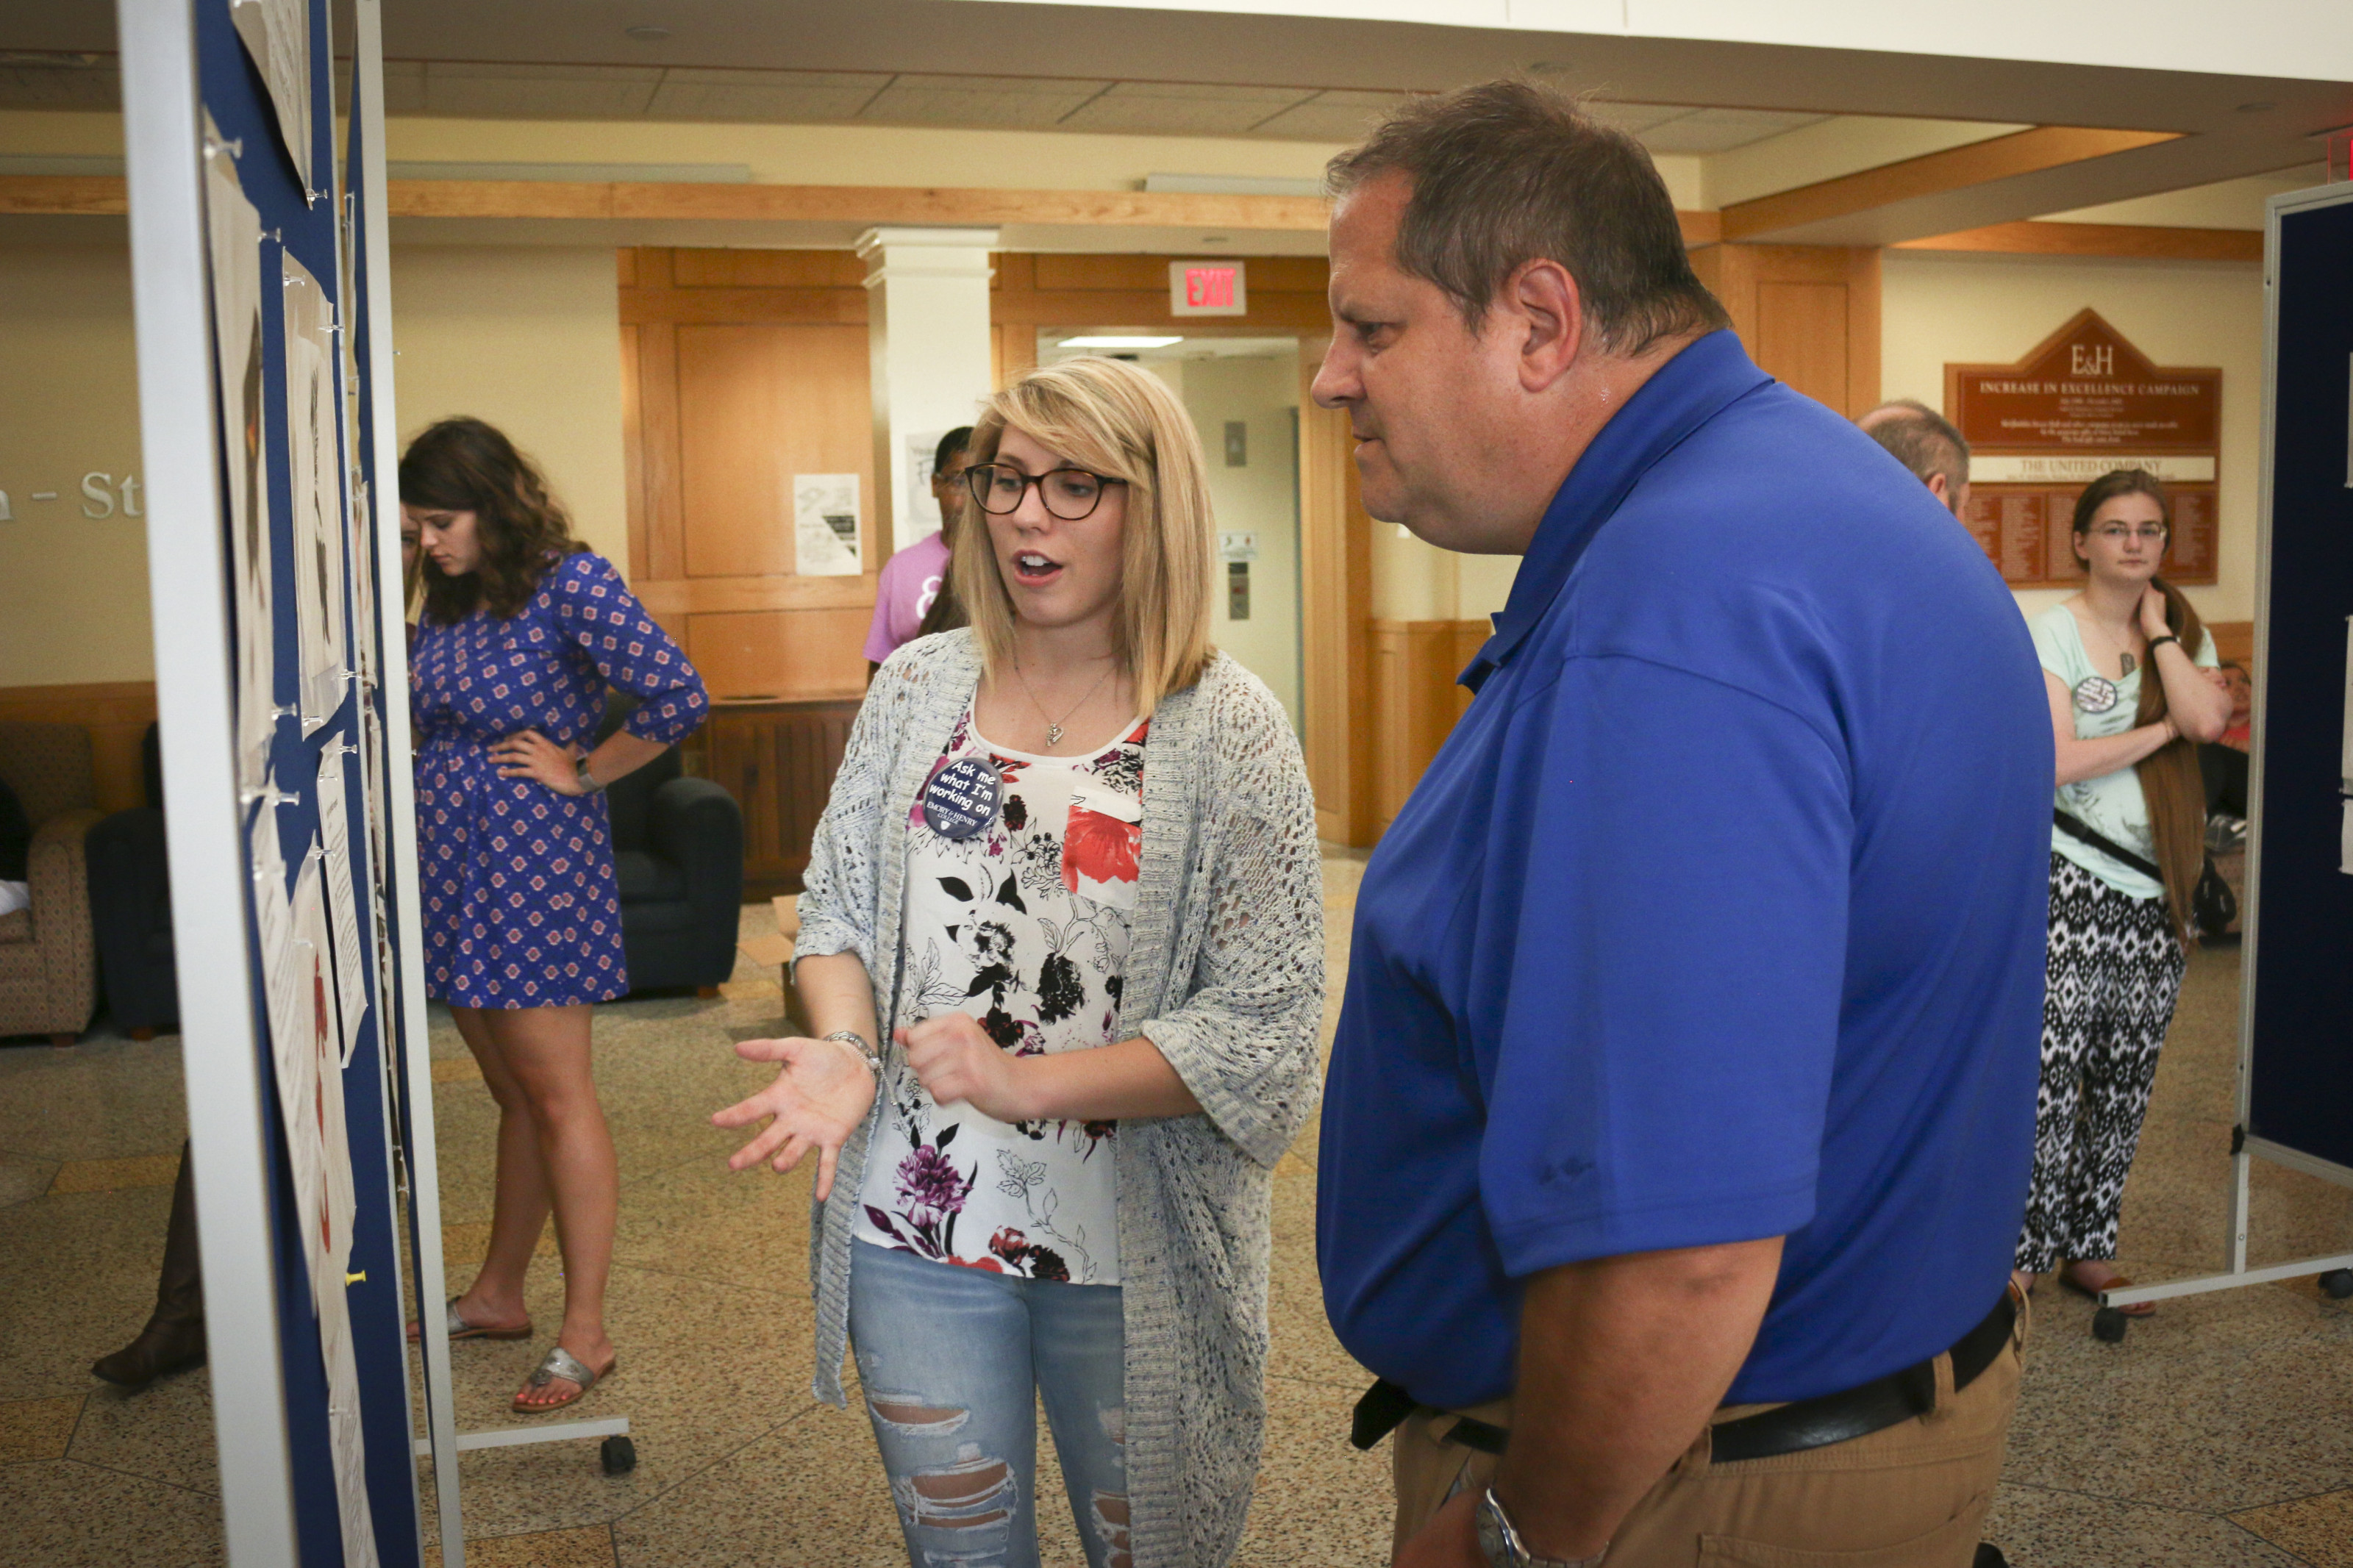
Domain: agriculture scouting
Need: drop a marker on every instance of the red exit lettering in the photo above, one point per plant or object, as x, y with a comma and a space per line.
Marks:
1209, 287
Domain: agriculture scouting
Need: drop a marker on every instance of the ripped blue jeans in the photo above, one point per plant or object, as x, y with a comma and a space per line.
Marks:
953, 1363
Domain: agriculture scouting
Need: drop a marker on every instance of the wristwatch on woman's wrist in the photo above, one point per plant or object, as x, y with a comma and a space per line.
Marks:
856, 1042
2158, 642
588, 784
1504, 1548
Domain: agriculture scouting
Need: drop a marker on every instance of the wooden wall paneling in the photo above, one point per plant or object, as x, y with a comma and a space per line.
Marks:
767, 402
658, 457
115, 713
714, 269
1414, 698
721, 595
633, 443
769, 654
778, 759
2234, 642
716, 306
1286, 293
1807, 313
1336, 594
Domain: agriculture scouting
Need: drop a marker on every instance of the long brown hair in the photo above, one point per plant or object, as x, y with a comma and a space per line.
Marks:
466, 465
2169, 779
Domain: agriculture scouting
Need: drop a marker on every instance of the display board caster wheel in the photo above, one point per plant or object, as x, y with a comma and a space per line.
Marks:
618, 1456
2108, 1325
2338, 1284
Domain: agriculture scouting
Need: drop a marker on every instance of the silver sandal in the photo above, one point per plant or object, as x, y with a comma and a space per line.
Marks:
459, 1328
559, 1363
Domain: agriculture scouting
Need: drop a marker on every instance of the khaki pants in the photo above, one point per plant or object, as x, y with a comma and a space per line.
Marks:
1908, 1496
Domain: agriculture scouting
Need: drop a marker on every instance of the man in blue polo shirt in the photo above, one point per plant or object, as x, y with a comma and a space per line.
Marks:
1679, 1122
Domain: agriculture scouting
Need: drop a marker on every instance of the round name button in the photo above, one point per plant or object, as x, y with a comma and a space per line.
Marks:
963, 797
2095, 694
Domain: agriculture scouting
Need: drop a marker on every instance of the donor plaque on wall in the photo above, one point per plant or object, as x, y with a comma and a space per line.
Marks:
2081, 402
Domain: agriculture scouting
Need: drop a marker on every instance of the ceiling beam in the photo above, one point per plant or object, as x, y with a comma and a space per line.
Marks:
1933, 174
2140, 242
689, 202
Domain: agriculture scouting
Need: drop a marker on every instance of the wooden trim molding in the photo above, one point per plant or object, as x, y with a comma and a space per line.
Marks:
2131, 241
102, 196
1335, 607
1998, 158
718, 595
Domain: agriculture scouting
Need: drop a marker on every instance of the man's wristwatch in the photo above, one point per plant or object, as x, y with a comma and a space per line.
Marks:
1504, 1548
856, 1042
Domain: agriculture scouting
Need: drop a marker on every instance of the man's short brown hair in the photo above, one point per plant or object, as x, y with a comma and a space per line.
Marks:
1508, 172
1920, 438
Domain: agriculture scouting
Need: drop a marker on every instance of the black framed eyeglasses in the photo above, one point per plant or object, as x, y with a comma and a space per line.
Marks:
1068, 493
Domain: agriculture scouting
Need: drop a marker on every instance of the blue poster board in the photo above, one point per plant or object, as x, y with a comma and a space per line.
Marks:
2299, 1047
304, 220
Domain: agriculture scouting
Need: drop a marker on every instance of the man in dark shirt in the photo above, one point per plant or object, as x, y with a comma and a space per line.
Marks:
1679, 1119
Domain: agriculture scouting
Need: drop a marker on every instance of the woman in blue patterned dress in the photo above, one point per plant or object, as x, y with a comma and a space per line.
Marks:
523, 630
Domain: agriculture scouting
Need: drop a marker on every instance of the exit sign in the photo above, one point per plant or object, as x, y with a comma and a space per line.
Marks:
1207, 289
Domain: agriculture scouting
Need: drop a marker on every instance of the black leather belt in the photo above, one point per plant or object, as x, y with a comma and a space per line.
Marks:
1785, 1429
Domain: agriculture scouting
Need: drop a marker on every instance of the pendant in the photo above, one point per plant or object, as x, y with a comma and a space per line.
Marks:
1053, 734
962, 797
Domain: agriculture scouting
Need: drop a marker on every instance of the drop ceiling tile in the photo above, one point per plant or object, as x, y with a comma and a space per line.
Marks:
1637, 118
979, 101
1185, 108
65, 81
778, 97
1721, 130
540, 92
1336, 116
403, 86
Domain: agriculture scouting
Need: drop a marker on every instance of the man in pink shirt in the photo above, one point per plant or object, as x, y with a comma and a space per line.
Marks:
918, 576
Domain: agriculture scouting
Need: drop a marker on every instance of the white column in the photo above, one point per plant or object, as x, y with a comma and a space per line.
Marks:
927, 311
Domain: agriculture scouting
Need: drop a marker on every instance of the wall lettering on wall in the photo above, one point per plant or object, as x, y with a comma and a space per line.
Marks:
2080, 403
102, 496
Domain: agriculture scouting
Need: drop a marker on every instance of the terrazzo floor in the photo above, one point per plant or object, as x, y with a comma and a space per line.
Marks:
2219, 1435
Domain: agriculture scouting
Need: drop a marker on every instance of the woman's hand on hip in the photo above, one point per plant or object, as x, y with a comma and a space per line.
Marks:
821, 1094
953, 1060
528, 755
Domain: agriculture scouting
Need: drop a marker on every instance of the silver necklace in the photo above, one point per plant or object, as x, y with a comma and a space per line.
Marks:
1054, 725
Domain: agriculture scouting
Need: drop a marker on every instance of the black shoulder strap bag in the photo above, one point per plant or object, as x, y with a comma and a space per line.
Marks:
2213, 904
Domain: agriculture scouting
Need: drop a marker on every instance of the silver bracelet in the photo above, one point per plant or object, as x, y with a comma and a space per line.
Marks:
866, 1052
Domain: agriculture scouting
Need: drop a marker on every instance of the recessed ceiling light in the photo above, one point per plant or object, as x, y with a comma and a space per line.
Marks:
647, 32
1116, 342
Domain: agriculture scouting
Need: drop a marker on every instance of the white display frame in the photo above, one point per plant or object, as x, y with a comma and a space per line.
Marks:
2244, 1148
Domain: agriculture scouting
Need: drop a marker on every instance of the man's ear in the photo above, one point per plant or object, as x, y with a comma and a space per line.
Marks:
1546, 307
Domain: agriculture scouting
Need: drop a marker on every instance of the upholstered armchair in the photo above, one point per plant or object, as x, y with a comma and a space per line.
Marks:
48, 960
678, 854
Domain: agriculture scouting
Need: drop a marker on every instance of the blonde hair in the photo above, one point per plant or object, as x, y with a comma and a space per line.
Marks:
1117, 420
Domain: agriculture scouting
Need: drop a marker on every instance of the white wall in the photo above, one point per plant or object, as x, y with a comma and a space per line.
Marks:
528, 339
1261, 496
73, 588
1981, 310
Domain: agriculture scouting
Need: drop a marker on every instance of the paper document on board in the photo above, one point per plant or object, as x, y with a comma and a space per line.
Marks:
277, 34
233, 239
343, 901
314, 414
825, 530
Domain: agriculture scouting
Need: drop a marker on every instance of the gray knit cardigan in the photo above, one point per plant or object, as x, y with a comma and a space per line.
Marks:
1225, 974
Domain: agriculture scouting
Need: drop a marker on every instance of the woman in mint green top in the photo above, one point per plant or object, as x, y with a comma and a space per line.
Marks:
2132, 684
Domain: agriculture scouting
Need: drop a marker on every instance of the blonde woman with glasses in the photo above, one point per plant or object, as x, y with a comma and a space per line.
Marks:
1061, 949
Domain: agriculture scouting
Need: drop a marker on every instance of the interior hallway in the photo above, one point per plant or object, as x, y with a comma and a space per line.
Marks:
2215, 1437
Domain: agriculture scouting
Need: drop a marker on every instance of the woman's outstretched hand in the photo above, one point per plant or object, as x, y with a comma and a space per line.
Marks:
953, 1060
528, 755
821, 1094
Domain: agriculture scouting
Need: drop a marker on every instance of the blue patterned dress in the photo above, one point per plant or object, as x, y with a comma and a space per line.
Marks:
522, 909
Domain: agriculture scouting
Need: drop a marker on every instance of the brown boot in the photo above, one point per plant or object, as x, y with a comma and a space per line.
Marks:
174, 1337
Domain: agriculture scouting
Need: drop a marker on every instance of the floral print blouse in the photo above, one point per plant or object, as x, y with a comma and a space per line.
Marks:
1024, 926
